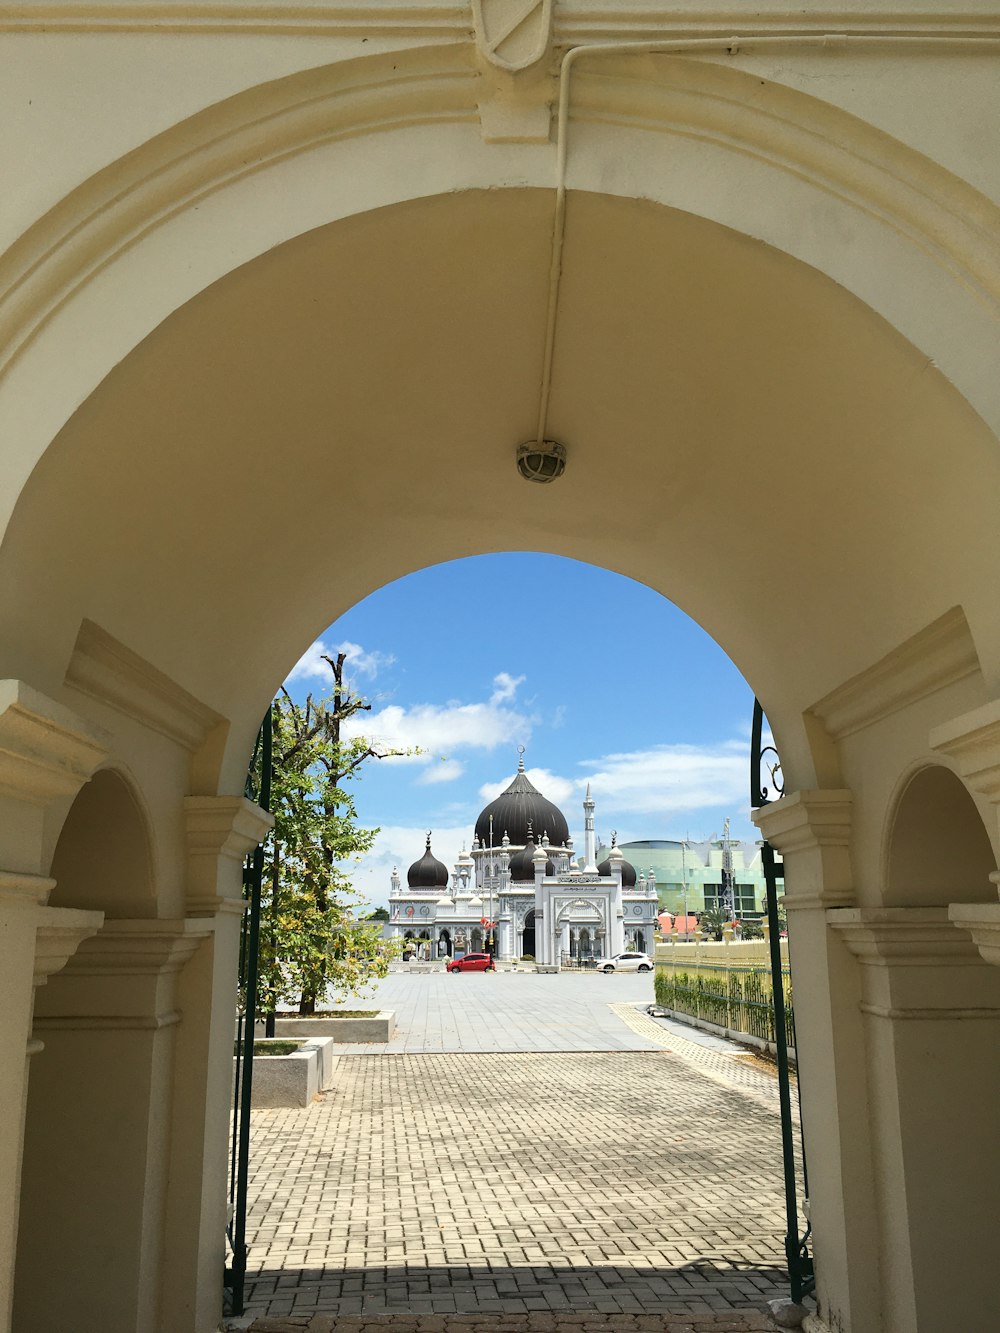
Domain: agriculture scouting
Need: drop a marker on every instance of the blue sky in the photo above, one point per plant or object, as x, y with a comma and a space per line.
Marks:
599, 677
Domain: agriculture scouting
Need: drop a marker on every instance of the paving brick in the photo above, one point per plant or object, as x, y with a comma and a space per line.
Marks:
621, 1189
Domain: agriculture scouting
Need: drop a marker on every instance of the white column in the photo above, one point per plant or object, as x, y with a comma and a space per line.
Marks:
932, 1019
220, 830
47, 753
811, 830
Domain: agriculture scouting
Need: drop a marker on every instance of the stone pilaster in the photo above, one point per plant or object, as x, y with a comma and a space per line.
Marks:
972, 742
220, 831
108, 1023
811, 830
47, 753
932, 1009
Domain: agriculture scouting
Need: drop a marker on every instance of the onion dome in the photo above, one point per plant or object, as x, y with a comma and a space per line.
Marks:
628, 870
518, 807
428, 872
522, 863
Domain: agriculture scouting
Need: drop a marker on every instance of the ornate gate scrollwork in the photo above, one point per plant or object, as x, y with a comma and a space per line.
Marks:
764, 760
258, 788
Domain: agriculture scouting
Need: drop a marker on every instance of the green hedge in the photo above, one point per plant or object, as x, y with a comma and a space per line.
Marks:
737, 998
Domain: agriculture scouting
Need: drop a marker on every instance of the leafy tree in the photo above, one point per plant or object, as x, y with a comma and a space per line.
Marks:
380, 914
311, 937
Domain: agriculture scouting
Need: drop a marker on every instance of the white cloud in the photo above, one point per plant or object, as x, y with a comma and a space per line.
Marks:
669, 779
441, 729
358, 662
661, 782
553, 788
505, 687
445, 770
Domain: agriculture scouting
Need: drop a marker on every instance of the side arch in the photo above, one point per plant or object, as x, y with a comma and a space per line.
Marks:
103, 858
937, 847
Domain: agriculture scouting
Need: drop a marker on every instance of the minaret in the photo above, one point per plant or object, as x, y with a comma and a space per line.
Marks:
589, 840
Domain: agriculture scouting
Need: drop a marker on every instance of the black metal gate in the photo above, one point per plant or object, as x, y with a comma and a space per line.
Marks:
258, 788
797, 1253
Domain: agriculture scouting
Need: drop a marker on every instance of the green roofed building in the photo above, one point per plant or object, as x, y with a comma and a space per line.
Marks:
688, 874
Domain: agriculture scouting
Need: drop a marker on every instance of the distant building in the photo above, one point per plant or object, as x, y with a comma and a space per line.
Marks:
522, 892
697, 867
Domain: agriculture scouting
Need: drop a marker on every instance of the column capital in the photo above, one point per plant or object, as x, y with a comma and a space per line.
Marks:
123, 977
60, 932
917, 964
156, 946
982, 921
902, 936
812, 831
21, 889
47, 752
219, 831
804, 820
972, 740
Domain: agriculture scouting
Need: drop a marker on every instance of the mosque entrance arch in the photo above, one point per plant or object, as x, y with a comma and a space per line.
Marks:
750, 308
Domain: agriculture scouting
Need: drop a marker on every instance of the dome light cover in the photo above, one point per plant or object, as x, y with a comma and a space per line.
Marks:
541, 461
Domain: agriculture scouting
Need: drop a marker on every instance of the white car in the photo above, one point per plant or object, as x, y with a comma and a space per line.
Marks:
626, 962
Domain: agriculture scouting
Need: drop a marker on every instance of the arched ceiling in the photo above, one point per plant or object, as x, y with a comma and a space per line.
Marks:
743, 435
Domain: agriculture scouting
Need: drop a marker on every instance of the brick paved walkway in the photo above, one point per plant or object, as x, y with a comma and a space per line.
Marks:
560, 1323
580, 1190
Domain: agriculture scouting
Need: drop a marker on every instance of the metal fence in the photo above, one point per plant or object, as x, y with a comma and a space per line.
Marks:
736, 997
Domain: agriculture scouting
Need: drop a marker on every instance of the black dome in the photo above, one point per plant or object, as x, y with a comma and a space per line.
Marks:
522, 863
628, 872
428, 872
517, 808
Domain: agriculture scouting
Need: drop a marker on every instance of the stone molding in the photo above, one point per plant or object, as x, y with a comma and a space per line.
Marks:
139, 948
982, 921
46, 751
937, 656
28, 890
113, 674
925, 204
219, 829
972, 740
812, 831
573, 22
917, 964
903, 936
123, 978
59, 934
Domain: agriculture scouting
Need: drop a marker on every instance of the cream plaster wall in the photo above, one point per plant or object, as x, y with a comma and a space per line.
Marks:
270, 271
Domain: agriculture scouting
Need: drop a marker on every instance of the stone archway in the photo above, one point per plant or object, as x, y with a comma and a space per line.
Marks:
96, 1152
183, 308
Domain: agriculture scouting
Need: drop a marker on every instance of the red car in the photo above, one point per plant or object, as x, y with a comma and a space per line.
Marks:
472, 962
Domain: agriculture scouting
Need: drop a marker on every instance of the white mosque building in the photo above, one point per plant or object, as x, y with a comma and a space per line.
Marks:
522, 893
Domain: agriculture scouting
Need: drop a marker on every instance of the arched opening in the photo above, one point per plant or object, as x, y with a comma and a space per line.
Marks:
102, 859
444, 943
939, 851
96, 1138
528, 935
660, 306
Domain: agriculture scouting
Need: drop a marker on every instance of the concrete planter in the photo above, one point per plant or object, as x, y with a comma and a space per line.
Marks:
295, 1079
379, 1028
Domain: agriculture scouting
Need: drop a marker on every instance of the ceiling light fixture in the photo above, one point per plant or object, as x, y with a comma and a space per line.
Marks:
541, 460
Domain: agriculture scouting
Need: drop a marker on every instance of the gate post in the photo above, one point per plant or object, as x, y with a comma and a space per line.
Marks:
47, 754
811, 830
